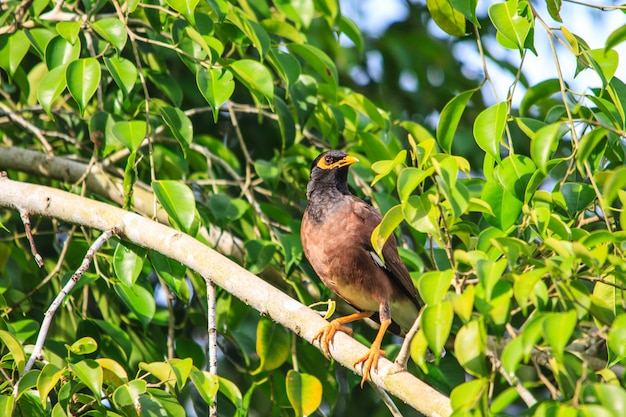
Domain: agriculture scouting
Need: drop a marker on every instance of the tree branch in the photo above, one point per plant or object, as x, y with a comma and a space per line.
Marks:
67, 288
260, 295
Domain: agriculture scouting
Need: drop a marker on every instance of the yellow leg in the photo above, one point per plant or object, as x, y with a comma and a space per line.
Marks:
371, 358
328, 332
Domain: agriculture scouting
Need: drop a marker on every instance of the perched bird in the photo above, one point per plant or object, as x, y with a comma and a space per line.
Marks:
336, 238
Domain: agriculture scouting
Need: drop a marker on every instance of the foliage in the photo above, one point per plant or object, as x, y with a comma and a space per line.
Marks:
511, 214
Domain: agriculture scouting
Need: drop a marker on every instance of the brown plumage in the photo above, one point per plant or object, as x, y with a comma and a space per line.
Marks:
335, 233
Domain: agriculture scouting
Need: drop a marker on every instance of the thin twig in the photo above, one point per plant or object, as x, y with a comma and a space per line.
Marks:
405, 350
29, 235
393, 409
171, 322
45, 325
212, 330
25, 124
512, 380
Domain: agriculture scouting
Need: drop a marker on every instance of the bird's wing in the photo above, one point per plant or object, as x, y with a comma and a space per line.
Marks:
392, 263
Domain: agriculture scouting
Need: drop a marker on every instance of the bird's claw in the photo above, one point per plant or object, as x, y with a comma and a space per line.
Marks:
369, 361
327, 332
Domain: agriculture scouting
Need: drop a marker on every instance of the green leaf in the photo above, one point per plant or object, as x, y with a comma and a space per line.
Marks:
433, 285
167, 84
259, 254
512, 27
180, 125
409, 179
392, 219
256, 78
467, 395
514, 173
160, 370
127, 263
505, 207
84, 346
226, 209
421, 214
13, 48
455, 192
437, 322
287, 66
615, 181
538, 92
468, 9
27, 382
286, 123
159, 402
577, 196
207, 385
615, 38
447, 17
113, 373
463, 303
172, 272
51, 87
113, 30
363, 105
60, 52
216, 86
489, 274
512, 355
587, 145
617, 339
15, 348
384, 167
39, 39
89, 373
268, 171
253, 31
612, 397
470, 347
318, 61
283, 29
450, 117
544, 144
47, 380
185, 7
82, 77
273, 345
304, 392
123, 71
178, 201
69, 30
557, 330
130, 133
489, 128
128, 394
231, 391
607, 62
181, 369
554, 8
299, 11
349, 28
117, 334
139, 300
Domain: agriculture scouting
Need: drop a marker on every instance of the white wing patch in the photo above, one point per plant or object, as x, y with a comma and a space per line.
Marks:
377, 260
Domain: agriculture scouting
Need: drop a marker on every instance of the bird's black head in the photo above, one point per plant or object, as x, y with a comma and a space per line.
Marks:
329, 171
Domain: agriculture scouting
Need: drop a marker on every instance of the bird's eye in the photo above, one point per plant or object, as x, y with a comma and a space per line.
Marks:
328, 160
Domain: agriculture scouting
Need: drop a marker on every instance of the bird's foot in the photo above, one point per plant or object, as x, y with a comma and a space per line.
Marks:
369, 361
327, 332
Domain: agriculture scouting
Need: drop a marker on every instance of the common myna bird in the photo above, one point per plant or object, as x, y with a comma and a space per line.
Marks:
336, 238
